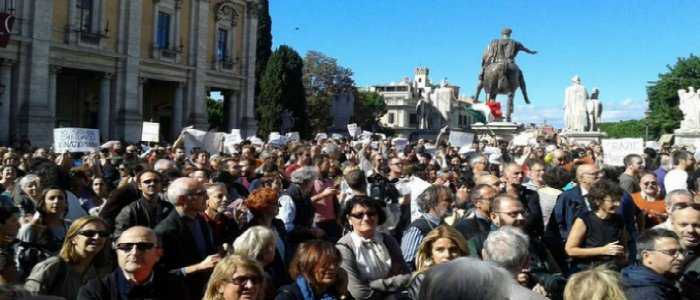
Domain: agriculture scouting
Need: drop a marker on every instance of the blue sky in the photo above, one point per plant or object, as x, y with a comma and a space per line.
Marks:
617, 46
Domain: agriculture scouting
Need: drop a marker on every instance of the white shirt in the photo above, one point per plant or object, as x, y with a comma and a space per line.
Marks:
373, 259
287, 211
676, 180
417, 186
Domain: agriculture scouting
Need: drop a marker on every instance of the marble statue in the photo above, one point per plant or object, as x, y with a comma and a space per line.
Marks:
575, 117
594, 108
689, 104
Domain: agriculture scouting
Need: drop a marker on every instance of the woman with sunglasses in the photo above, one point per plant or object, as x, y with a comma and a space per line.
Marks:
82, 257
316, 272
372, 259
235, 278
598, 236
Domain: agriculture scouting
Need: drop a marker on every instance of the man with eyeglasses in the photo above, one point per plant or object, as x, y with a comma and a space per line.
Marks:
148, 210
478, 220
686, 224
188, 244
513, 177
661, 262
649, 206
135, 278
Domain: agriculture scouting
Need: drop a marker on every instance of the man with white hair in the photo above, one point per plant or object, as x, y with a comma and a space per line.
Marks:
187, 237
507, 247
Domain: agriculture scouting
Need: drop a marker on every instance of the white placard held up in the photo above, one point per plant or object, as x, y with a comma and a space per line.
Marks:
150, 132
459, 139
400, 144
353, 130
615, 150
293, 136
231, 139
75, 140
211, 142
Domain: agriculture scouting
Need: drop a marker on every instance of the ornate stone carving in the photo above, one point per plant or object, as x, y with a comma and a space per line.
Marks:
226, 12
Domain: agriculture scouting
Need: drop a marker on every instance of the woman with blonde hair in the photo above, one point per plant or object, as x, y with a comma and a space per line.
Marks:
259, 243
82, 257
599, 283
235, 277
440, 245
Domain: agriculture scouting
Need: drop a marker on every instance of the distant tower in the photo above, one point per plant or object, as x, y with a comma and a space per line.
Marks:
420, 77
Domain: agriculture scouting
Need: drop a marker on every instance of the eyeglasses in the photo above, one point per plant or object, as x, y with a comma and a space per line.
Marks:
245, 279
675, 253
149, 181
360, 216
514, 214
649, 183
126, 247
94, 233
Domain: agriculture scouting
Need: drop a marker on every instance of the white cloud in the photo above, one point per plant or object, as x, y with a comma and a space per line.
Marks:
627, 109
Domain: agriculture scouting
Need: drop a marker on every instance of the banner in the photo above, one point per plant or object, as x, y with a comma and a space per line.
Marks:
211, 142
150, 132
615, 150
75, 140
459, 139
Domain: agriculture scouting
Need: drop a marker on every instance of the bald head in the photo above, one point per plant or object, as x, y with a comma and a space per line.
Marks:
587, 175
686, 223
138, 234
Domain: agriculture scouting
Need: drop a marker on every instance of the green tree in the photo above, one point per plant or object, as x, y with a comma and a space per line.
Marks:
369, 107
324, 78
215, 109
664, 115
263, 49
624, 129
281, 89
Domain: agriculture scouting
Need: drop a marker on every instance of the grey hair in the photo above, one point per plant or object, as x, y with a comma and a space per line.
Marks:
164, 164
647, 239
304, 175
253, 241
675, 193
507, 247
470, 276
27, 179
429, 198
177, 189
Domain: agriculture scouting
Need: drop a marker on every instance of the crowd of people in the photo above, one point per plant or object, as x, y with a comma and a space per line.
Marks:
344, 219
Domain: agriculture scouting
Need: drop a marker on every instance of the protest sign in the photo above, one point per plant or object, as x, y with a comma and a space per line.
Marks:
150, 132
293, 136
321, 136
276, 139
255, 140
336, 136
231, 139
353, 130
400, 144
615, 150
211, 142
459, 139
75, 140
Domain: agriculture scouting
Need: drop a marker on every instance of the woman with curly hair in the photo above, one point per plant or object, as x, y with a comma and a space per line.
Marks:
598, 236
235, 278
317, 275
440, 245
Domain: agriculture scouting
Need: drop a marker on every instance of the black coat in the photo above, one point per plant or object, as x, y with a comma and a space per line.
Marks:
164, 286
180, 250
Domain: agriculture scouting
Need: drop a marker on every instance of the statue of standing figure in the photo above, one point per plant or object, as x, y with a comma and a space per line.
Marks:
594, 108
575, 116
689, 104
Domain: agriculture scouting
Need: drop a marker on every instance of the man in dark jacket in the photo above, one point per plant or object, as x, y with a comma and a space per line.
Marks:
661, 262
513, 174
137, 252
147, 211
478, 222
188, 244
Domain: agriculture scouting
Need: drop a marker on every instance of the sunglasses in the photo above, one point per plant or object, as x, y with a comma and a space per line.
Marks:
94, 233
126, 247
649, 183
244, 279
360, 216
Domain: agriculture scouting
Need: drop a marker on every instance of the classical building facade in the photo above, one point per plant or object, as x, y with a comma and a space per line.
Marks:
419, 104
112, 64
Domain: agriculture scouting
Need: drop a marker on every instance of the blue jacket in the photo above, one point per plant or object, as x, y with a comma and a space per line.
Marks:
641, 282
569, 204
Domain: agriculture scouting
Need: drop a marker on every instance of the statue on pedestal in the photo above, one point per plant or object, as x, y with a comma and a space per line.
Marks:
594, 108
499, 72
575, 116
689, 104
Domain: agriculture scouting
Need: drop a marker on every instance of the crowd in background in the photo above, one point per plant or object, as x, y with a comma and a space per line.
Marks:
344, 219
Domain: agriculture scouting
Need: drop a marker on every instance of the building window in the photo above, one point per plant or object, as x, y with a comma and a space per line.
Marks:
413, 119
391, 118
88, 21
163, 31
222, 45
86, 13
226, 18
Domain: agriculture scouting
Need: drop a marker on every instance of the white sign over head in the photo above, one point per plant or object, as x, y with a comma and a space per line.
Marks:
150, 132
354, 130
231, 139
211, 142
615, 150
459, 139
400, 144
75, 140
293, 136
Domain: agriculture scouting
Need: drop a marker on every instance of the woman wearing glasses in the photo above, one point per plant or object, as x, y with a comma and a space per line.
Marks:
235, 278
373, 261
316, 272
598, 236
81, 258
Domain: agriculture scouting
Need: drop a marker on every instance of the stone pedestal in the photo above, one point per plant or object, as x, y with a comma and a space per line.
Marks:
686, 138
584, 138
502, 130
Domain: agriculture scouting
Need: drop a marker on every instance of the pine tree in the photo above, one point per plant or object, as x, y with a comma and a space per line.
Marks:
264, 44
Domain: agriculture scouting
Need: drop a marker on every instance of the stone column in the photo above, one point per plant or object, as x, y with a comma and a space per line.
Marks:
142, 81
197, 91
5, 101
53, 73
178, 109
105, 105
127, 119
234, 110
249, 125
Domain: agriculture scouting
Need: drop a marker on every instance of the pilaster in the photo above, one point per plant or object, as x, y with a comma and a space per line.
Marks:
105, 105
5, 100
249, 125
128, 109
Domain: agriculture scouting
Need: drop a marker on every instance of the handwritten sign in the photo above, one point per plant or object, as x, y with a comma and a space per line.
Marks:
150, 132
615, 150
75, 140
354, 130
459, 139
211, 142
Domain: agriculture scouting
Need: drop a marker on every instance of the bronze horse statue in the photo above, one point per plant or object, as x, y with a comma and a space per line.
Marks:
502, 78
